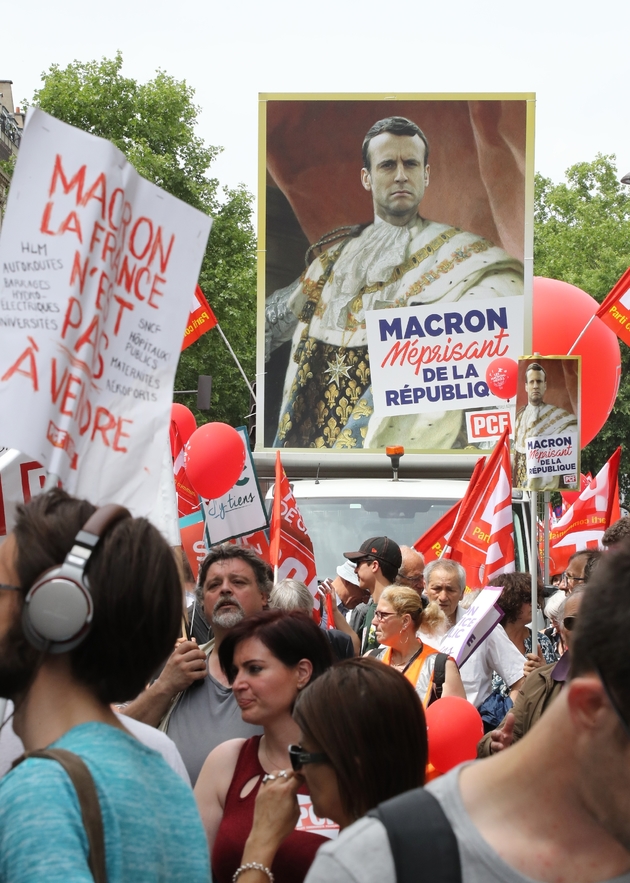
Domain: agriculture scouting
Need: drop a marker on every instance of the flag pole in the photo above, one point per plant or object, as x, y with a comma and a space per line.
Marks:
547, 500
238, 364
582, 333
534, 567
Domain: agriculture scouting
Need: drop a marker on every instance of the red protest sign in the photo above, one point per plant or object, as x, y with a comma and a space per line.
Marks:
290, 547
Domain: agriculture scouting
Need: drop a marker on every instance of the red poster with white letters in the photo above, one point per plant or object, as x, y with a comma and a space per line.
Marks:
291, 549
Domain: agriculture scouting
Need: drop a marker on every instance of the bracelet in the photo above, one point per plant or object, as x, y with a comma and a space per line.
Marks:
252, 866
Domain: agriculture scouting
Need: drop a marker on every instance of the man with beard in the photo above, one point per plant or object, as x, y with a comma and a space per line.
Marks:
89, 607
192, 690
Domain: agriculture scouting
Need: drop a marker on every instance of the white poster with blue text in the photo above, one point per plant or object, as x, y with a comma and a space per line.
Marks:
443, 356
239, 512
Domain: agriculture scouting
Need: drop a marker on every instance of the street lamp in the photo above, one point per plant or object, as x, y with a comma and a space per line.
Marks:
626, 179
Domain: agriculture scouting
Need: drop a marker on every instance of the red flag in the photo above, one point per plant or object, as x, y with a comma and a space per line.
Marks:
330, 612
433, 542
201, 319
290, 547
482, 540
187, 498
582, 527
615, 309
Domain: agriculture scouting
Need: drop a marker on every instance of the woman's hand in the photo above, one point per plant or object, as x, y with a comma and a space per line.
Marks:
276, 814
533, 661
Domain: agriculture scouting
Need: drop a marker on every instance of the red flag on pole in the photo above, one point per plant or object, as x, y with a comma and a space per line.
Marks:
433, 542
482, 539
200, 320
583, 525
615, 309
290, 547
187, 498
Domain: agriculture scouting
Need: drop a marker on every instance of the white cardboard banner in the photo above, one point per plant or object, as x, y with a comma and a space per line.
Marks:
482, 616
97, 270
434, 358
553, 460
239, 512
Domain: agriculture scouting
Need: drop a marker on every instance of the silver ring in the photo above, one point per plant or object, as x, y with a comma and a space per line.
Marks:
283, 773
268, 778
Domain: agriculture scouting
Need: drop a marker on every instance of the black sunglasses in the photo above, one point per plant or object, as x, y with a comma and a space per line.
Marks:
299, 757
569, 622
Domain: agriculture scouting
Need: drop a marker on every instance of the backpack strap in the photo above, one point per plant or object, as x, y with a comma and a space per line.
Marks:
421, 838
439, 676
81, 778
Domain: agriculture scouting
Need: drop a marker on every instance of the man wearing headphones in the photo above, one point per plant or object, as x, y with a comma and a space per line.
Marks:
90, 606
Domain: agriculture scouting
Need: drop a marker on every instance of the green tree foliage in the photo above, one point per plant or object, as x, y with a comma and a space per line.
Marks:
582, 236
154, 124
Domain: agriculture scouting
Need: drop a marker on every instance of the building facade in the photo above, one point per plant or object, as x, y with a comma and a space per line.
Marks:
11, 126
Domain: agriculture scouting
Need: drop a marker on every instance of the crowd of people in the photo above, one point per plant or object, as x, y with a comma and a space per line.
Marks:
252, 738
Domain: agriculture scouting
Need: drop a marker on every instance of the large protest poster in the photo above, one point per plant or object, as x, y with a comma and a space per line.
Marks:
435, 358
98, 270
546, 451
430, 209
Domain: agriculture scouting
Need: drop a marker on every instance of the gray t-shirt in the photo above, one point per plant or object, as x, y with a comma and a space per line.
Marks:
205, 716
361, 854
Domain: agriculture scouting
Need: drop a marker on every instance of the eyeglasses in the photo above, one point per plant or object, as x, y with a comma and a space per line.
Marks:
615, 705
8, 588
569, 622
299, 757
414, 580
380, 615
569, 578
359, 561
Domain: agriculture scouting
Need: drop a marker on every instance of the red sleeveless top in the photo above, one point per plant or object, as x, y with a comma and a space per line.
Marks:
296, 853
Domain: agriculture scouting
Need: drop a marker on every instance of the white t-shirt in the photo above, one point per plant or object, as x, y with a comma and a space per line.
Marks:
495, 653
11, 746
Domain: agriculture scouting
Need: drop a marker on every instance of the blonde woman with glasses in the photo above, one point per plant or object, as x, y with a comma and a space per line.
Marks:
399, 615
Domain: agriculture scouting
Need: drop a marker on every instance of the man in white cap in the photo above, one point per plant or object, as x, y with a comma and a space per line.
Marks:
348, 593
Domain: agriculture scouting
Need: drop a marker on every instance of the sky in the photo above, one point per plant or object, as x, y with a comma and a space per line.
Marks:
571, 54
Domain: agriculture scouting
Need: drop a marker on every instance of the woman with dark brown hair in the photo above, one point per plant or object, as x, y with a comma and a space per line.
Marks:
269, 658
363, 740
516, 603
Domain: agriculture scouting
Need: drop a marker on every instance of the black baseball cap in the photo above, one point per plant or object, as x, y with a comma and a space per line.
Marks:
381, 548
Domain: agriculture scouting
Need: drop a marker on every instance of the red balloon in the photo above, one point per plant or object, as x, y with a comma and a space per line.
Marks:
214, 459
454, 727
561, 312
184, 420
502, 378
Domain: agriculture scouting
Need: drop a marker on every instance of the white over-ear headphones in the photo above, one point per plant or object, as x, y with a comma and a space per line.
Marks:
58, 608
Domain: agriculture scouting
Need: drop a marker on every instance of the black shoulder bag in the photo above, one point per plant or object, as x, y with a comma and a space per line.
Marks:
420, 837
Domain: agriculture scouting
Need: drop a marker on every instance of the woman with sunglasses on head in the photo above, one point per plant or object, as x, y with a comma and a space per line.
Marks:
362, 740
400, 612
269, 658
